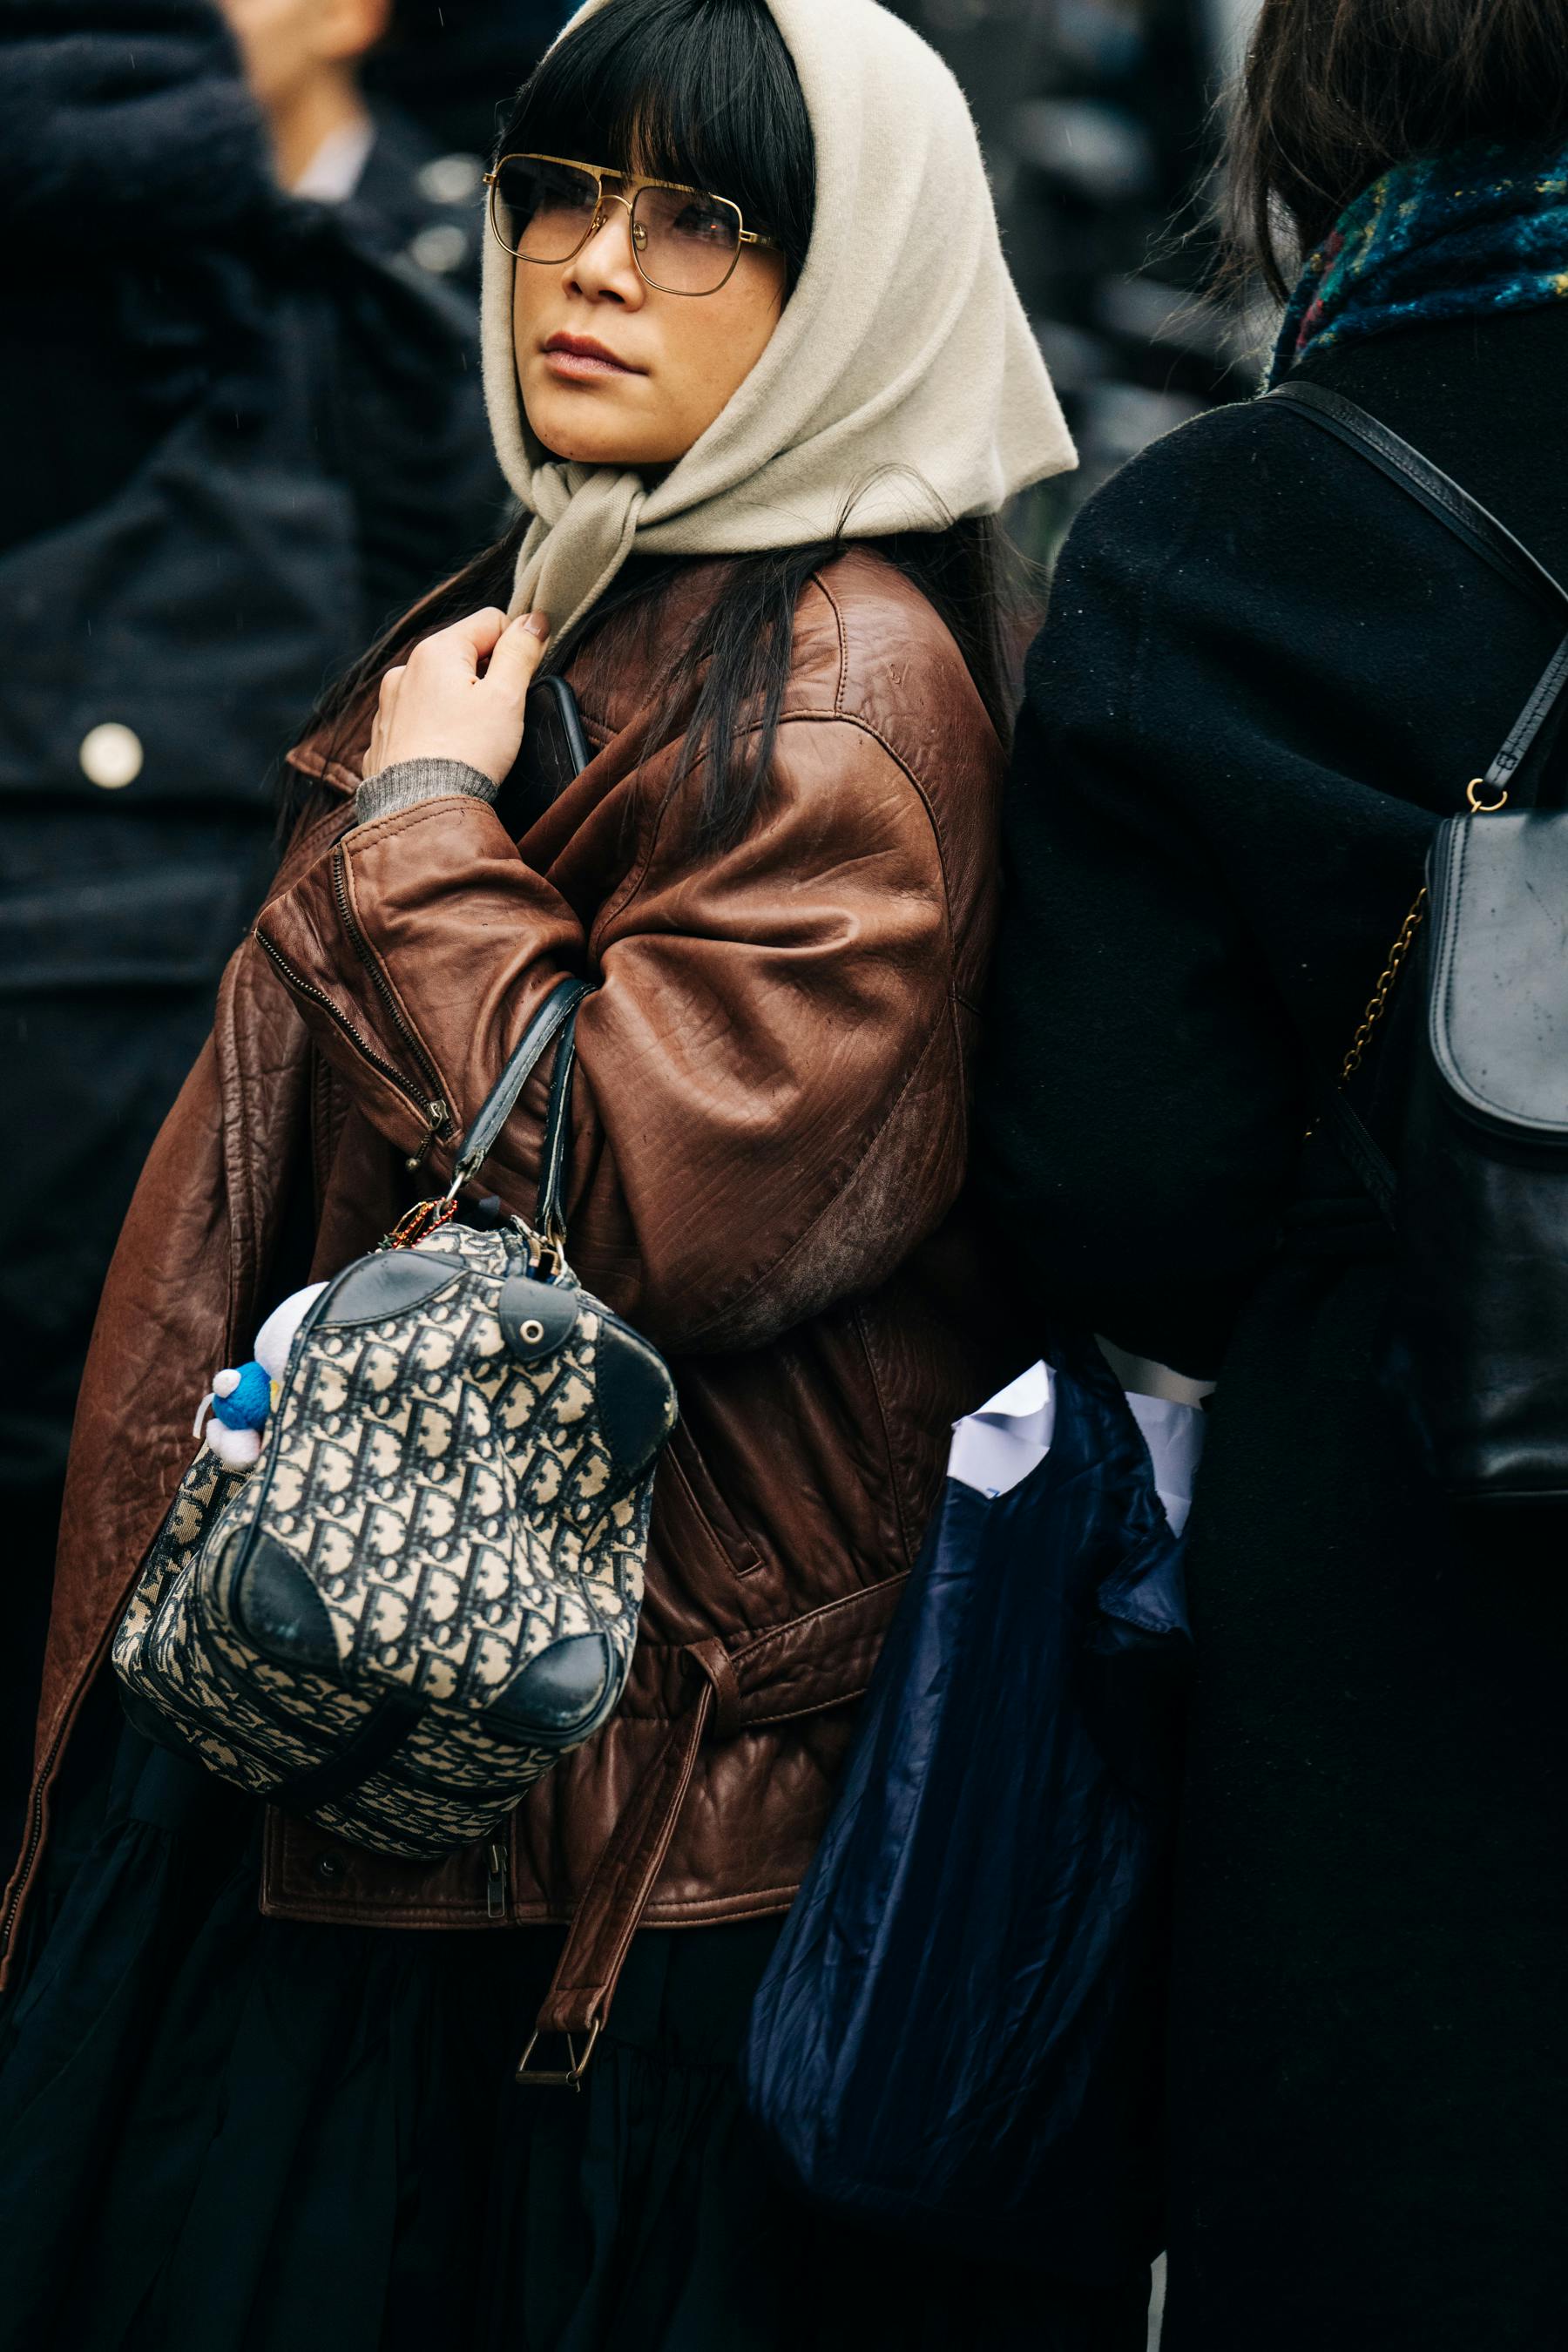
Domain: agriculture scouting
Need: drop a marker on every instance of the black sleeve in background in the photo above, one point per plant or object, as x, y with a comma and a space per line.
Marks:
126, 129
403, 419
1264, 673
1139, 1100
134, 174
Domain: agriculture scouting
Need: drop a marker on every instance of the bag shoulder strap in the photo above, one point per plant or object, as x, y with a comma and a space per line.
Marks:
1465, 516
1357, 429
1404, 464
550, 1217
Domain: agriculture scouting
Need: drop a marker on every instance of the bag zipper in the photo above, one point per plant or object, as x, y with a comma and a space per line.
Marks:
434, 1110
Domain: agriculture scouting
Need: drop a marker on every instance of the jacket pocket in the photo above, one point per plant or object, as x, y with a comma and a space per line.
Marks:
691, 1501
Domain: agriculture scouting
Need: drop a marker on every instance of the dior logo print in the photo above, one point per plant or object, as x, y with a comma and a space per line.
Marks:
439, 1553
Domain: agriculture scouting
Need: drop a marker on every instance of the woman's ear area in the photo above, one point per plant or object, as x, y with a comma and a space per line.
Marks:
777, 269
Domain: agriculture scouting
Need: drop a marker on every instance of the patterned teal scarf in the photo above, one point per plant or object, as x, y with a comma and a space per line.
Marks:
1481, 229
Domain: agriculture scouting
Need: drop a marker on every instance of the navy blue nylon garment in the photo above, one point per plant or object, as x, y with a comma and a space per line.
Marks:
959, 2033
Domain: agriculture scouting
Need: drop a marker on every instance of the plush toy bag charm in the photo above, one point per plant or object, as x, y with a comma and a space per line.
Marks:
426, 1585
241, 1398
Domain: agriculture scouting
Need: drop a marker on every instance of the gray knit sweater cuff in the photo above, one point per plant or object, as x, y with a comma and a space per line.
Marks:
413, 781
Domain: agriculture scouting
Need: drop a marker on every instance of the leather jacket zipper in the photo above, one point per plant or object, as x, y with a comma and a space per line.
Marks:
45, 1771
432, 1109
495, 1881
35, 1838
380, 983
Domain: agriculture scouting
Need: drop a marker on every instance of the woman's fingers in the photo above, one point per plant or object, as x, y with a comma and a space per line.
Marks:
375, 757
519, 651
467, 641
436, 705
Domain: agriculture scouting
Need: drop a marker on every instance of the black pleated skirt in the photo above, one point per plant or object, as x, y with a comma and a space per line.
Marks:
221, 2133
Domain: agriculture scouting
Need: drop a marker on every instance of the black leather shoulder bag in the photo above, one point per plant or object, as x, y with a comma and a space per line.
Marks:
1477, 1346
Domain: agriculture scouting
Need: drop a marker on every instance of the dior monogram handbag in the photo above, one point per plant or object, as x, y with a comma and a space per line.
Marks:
427, 1587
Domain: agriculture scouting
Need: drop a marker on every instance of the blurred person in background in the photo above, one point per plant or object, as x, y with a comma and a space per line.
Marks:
1098, 121
238, 438
444, 61
1268, 673
332, 144
422, 84
302, 59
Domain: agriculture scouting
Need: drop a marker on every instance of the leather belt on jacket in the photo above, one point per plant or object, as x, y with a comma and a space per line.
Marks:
762, 1682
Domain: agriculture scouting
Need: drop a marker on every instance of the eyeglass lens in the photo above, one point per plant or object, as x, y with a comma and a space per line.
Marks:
685, 242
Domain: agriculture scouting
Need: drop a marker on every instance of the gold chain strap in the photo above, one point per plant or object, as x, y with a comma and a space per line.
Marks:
1377, 1003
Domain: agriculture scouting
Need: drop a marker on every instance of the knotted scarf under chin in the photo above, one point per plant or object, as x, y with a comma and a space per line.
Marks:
1481, 229
584, 523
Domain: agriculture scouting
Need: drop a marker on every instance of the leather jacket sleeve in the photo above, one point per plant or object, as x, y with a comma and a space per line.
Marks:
769, 1104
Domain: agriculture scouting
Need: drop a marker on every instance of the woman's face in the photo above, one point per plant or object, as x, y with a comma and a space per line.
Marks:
615, 373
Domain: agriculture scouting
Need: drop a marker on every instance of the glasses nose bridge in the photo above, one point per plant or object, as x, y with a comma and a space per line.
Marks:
636, 234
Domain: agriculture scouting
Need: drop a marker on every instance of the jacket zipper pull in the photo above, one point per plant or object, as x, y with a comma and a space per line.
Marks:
437, 1112
495, 1885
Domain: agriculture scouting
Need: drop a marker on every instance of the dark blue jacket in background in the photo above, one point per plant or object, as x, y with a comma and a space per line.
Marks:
240, 436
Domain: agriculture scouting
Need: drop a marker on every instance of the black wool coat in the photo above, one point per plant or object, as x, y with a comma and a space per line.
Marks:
236, 441
1265, 674
240, 440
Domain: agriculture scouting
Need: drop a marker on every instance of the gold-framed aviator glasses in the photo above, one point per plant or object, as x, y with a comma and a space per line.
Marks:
545, 209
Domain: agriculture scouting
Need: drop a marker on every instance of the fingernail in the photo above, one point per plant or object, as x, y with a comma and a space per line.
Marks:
537, 625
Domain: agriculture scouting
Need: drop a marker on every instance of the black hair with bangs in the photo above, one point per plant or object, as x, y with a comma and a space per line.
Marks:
705, 92
700, 91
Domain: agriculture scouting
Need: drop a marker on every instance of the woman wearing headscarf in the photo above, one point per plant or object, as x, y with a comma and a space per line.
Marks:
758, 376
1268, 673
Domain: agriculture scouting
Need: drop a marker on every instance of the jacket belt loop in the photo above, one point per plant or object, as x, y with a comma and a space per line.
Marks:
611, 1910
713, 1659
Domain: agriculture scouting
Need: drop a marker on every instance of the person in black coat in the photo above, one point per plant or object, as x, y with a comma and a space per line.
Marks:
1267, 674
404, 197
236, 439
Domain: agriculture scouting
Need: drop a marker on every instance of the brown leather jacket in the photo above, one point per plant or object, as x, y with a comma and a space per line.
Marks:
769, 1139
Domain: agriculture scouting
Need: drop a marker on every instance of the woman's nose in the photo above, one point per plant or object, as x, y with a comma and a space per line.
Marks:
604, 266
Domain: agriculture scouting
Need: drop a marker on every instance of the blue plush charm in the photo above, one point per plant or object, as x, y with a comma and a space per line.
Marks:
241, 1396
248, 1404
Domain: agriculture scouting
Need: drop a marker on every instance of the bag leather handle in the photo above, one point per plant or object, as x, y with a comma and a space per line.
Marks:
1528, 725
554, 1154
558, 1013
1471, 521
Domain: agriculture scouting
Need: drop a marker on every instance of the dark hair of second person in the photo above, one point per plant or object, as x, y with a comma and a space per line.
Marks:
1336, 91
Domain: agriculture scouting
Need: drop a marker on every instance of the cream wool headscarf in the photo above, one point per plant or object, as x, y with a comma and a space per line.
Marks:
902, 380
